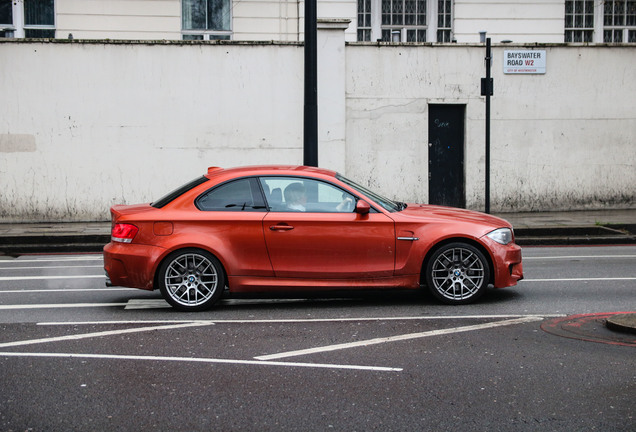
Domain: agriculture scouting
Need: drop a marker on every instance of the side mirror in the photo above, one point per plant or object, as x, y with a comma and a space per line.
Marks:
362, 207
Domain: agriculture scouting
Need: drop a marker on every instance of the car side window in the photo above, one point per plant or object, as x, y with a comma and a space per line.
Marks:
238, 195
297, 194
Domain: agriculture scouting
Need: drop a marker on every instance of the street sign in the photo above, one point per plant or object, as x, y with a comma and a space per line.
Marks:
524, 61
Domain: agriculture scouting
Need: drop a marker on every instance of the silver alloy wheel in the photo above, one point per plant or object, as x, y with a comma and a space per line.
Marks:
458, 273
191, 279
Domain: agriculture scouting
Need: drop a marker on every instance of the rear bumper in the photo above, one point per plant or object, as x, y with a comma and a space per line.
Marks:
131, 265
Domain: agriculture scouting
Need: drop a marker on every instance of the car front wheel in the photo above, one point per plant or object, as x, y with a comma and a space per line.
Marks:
457, 273
191, 280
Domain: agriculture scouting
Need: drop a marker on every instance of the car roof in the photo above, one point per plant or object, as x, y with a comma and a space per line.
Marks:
276, 170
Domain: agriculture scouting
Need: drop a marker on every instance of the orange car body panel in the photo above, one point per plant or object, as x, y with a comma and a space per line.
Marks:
290, 251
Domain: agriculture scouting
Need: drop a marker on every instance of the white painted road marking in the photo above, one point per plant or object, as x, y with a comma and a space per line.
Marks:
147, 304
262, 360
51, 267
201, 360
398, 338
104, 333
578, 257
59, 306
303, 320
18, 278
57, 259
580, 279
100, 289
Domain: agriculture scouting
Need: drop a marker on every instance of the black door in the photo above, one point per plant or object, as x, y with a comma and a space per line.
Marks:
446, 155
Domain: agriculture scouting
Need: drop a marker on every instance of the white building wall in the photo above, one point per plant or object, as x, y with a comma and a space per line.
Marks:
562, 140
519, 21
118, 19
91, 125
252, 20
87, 125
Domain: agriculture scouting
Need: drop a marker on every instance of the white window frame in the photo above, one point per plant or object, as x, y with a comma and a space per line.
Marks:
19, 27
431, 22
598, 32
623, 28
210, 34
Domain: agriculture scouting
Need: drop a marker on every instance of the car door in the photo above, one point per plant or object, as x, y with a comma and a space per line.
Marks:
319, 236
231, 225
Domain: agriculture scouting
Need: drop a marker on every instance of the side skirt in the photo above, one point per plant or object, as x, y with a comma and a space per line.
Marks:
251, 284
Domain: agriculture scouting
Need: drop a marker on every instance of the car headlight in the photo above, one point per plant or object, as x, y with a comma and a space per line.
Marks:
501, 235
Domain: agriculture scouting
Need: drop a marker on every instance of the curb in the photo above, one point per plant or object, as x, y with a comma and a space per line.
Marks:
32, 244
625, 323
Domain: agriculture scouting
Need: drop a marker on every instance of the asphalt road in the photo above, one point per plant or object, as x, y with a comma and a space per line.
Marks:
75, 355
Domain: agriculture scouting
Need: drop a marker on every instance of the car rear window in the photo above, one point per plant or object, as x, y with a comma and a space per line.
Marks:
178, 192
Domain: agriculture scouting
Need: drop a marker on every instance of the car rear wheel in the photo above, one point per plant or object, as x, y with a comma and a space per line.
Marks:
191, 280
457, 273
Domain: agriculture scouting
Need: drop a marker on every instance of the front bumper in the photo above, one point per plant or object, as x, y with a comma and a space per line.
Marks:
507, 264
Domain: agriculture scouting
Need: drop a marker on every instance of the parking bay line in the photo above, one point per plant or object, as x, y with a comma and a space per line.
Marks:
163, 358
580, 279
577, 257
105, 333
60, 306
203, 360
19, 278
404, 337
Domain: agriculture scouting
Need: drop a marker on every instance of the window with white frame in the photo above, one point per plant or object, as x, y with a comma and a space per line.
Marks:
609, 21
27, 18
579, 20
206, 19
619, 21
404, 16
364, 20
444, 20
405, 20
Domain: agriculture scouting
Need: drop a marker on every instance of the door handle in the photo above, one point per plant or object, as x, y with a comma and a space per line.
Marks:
281, 227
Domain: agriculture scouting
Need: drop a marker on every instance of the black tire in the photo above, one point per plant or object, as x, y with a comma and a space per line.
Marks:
191, 280
457, 273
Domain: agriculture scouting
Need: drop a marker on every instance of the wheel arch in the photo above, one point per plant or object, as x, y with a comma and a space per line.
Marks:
169, 253
444, 242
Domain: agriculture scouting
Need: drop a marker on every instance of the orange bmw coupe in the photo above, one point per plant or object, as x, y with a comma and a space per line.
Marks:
295, 230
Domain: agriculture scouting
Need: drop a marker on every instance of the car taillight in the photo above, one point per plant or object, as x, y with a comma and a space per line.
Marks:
123, 233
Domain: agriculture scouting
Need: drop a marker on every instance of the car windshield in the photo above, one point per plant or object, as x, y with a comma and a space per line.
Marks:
386, 203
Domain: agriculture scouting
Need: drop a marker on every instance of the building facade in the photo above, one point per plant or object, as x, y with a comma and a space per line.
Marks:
435, 21
129, 108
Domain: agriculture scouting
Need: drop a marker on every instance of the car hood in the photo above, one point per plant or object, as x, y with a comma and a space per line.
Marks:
432, 213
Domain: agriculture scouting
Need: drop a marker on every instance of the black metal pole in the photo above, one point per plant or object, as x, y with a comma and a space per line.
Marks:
310, 152
488, 93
